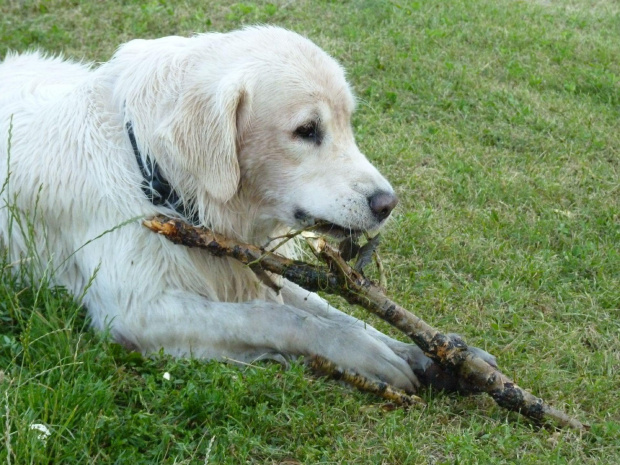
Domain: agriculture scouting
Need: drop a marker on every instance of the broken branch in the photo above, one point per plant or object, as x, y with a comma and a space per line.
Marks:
323, 366
340, 278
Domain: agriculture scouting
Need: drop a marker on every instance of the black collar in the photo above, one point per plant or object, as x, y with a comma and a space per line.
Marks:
157, 188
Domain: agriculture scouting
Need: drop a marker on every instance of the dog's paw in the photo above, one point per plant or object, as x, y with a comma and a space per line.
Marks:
429, 373
371, 358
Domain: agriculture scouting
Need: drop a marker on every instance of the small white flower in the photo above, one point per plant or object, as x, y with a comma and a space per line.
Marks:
167, 376
43, 430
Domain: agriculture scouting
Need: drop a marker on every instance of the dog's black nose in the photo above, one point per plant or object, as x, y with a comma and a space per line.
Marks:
382, 204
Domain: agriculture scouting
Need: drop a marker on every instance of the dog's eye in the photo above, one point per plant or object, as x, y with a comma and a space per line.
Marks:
309, 132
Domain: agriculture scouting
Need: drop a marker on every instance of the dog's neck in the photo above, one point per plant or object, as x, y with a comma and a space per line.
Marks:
155, 186
158, 190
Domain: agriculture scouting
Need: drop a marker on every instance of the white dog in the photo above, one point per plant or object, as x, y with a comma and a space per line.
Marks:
248, 133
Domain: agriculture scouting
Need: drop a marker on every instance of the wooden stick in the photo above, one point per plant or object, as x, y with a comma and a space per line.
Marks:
448, 351
323, 366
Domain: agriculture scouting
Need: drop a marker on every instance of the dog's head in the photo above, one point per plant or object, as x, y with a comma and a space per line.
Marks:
264, 115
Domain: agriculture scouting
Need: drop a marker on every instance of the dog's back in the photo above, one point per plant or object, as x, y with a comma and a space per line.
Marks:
34, 111
32, 75
30, 84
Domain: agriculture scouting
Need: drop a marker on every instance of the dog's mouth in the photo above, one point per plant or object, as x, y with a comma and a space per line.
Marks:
334, 230
325, 227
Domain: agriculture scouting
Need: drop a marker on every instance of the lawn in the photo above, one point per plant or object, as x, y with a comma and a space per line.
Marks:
497, 121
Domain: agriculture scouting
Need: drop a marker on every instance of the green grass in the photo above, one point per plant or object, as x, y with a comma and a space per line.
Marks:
497, 122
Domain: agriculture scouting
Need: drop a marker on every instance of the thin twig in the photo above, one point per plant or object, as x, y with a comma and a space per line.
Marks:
323, 366
380, 270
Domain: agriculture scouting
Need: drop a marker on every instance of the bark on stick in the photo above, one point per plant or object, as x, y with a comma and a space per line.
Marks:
341, 279
321, 365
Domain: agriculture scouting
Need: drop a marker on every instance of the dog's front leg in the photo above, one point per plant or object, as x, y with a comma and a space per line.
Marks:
294, 295
184, 324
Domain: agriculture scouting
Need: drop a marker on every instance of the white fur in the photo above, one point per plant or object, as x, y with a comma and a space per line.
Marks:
218, 113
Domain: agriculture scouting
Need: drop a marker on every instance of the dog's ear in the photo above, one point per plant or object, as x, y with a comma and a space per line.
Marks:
200, 134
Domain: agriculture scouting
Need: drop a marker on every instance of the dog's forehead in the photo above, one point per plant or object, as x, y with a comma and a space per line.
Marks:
291, 75
299, 65
309, 93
